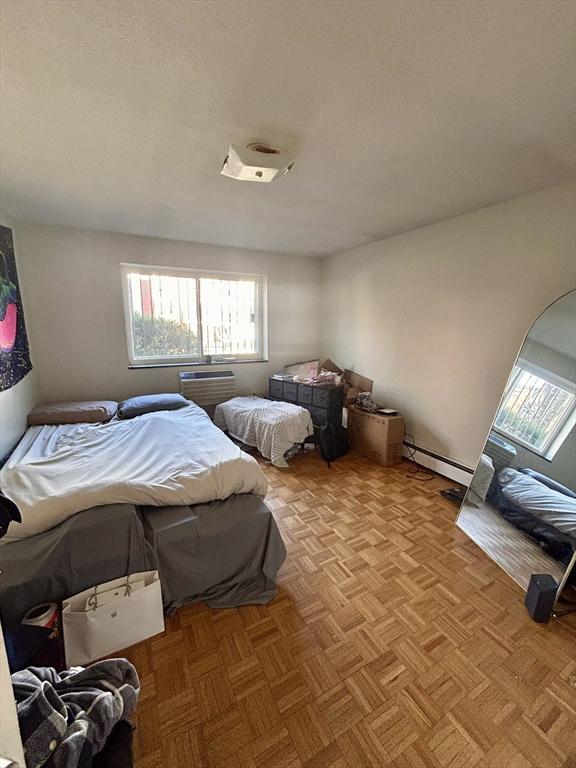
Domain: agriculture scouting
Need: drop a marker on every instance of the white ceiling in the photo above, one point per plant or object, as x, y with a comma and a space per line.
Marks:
118, 115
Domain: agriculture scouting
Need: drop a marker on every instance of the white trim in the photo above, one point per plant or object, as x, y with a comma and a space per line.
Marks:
442, 468
546, 375
188, 271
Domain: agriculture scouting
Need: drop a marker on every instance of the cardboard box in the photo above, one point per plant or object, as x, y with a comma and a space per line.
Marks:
353, 383
376, 436
329, 365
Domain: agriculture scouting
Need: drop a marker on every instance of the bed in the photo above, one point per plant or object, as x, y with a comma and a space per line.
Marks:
164, 490
163, 458
537, 505
273, 427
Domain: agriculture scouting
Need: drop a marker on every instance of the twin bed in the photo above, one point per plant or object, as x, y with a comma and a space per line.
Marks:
538, 506
272, 426
165, 490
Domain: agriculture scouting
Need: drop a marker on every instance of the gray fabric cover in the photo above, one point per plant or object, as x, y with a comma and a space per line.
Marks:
136, 406
100, 544
226, 552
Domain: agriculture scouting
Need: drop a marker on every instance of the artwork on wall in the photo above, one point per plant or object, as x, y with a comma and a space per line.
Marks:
14, 354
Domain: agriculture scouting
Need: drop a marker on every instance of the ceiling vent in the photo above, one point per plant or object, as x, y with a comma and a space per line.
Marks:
256, 162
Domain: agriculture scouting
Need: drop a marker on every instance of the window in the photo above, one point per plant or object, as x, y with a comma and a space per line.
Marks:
184, 316
538, 409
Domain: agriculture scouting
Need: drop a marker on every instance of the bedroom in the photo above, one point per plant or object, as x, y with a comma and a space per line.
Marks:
429, 219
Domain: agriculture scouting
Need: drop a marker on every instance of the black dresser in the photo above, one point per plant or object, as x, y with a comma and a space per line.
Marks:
324, 403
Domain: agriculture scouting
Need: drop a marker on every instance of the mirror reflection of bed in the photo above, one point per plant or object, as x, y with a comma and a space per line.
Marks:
521, 504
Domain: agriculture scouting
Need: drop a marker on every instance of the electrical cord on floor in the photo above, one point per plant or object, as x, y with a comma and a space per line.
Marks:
418, 472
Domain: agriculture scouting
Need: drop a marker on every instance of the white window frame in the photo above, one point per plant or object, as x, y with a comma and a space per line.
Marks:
563, 429
261, 313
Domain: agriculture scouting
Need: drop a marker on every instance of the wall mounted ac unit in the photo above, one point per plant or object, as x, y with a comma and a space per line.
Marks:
502, 453
208, 387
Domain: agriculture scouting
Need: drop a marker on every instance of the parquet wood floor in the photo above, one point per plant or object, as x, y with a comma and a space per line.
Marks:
394, 641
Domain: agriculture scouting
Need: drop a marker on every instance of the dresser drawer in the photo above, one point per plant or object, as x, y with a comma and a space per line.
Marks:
290, 391
327, 397
321, 397
275, 387
305, 394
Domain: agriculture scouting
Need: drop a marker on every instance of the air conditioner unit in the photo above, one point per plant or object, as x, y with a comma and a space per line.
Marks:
502, 453
208, 387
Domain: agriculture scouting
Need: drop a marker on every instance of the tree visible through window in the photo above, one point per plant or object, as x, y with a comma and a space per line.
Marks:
535, 407
188, 316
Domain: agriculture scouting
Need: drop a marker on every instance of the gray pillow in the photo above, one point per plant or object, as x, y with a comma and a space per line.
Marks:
84, 412
136, 406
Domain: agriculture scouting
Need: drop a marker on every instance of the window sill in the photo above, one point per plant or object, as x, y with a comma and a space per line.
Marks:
517, 444
194, 365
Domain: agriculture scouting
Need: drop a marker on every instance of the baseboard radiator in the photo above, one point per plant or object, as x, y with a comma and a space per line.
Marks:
440, 464
208, 387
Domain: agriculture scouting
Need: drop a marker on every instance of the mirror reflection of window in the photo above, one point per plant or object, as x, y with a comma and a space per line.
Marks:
538, 409
521, 504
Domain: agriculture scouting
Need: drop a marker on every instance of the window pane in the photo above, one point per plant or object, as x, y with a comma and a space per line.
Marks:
163, 316
229, 316
533, 409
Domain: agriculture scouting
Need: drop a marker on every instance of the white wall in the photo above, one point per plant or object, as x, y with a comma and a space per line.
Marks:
75, 311
18, 401
436, 316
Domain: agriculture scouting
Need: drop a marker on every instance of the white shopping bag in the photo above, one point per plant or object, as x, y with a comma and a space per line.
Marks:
109, 617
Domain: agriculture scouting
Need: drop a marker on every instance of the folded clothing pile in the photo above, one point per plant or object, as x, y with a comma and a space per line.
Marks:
324, 378
66, 718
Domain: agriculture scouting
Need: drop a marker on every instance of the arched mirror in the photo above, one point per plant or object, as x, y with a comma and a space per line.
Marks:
521, 505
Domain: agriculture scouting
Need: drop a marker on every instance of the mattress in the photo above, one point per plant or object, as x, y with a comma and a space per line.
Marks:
539, 500
537, 511
271, 426
225, 552
157, 459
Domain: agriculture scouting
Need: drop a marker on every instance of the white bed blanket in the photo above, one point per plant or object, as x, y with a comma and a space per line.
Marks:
271, 426
166, 458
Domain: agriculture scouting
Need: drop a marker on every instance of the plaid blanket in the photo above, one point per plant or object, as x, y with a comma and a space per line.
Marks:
65, 718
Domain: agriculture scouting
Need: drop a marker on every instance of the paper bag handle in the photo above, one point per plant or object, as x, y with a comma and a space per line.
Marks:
92, 602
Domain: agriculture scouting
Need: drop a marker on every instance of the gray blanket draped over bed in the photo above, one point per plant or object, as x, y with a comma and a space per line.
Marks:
226, 552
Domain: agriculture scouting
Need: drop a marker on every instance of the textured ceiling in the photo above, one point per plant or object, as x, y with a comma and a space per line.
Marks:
118, 115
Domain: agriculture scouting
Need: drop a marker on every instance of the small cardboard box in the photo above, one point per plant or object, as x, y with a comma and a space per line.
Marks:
329, 365
354, 383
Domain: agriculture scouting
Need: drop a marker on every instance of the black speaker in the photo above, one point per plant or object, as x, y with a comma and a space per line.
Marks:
541, 596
